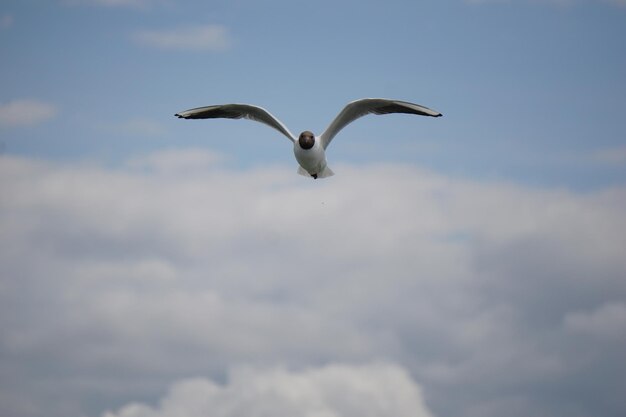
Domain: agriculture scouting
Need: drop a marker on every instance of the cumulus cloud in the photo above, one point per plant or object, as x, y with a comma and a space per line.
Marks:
193, 38
619, 3
6, 21
115, 282
608, 321
177, 161
138, 126
115, 3
26, 112
335, 390
485, 1
611, 156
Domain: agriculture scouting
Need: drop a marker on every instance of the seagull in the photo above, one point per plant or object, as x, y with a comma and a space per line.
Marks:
310, 150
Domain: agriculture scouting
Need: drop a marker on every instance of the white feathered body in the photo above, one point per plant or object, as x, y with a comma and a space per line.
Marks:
313, 160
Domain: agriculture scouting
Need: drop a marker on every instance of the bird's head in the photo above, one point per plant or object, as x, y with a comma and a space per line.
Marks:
306, 140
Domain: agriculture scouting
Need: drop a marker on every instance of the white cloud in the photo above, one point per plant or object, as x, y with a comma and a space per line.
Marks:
611, 156
132, 3
114, 282
6, 21
486, 1
137, 4
554, 2
177, 162
139, 126
26, 112
376, 390
607, 322
193, 38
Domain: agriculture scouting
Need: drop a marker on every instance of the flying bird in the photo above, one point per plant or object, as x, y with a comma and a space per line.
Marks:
310, 150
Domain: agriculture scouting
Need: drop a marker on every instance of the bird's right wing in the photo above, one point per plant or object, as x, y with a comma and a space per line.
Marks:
360, 108
237, 111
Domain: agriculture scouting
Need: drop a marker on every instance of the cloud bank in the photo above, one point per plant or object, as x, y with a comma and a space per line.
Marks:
134, 4
190, 38
137, 126
119, 282
6, 21
26, 112
612, 156
618, 3
330, 391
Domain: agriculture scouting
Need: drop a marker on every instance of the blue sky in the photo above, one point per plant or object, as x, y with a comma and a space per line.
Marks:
469, 265
531, 90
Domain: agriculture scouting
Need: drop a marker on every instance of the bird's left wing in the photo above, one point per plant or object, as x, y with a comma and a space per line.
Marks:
237, 111
360, 108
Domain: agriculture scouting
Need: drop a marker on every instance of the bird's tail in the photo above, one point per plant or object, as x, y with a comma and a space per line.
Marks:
303, 172
326, 172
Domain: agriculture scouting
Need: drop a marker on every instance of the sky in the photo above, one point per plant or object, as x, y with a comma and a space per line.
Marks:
469, 265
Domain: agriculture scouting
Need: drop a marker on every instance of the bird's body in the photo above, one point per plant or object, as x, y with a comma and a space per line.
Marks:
310, 150
311, 156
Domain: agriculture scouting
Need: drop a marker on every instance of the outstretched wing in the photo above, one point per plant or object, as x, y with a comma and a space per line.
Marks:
237, 111
360, 108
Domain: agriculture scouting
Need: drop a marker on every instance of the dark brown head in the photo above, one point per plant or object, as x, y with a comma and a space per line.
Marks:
306, 140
